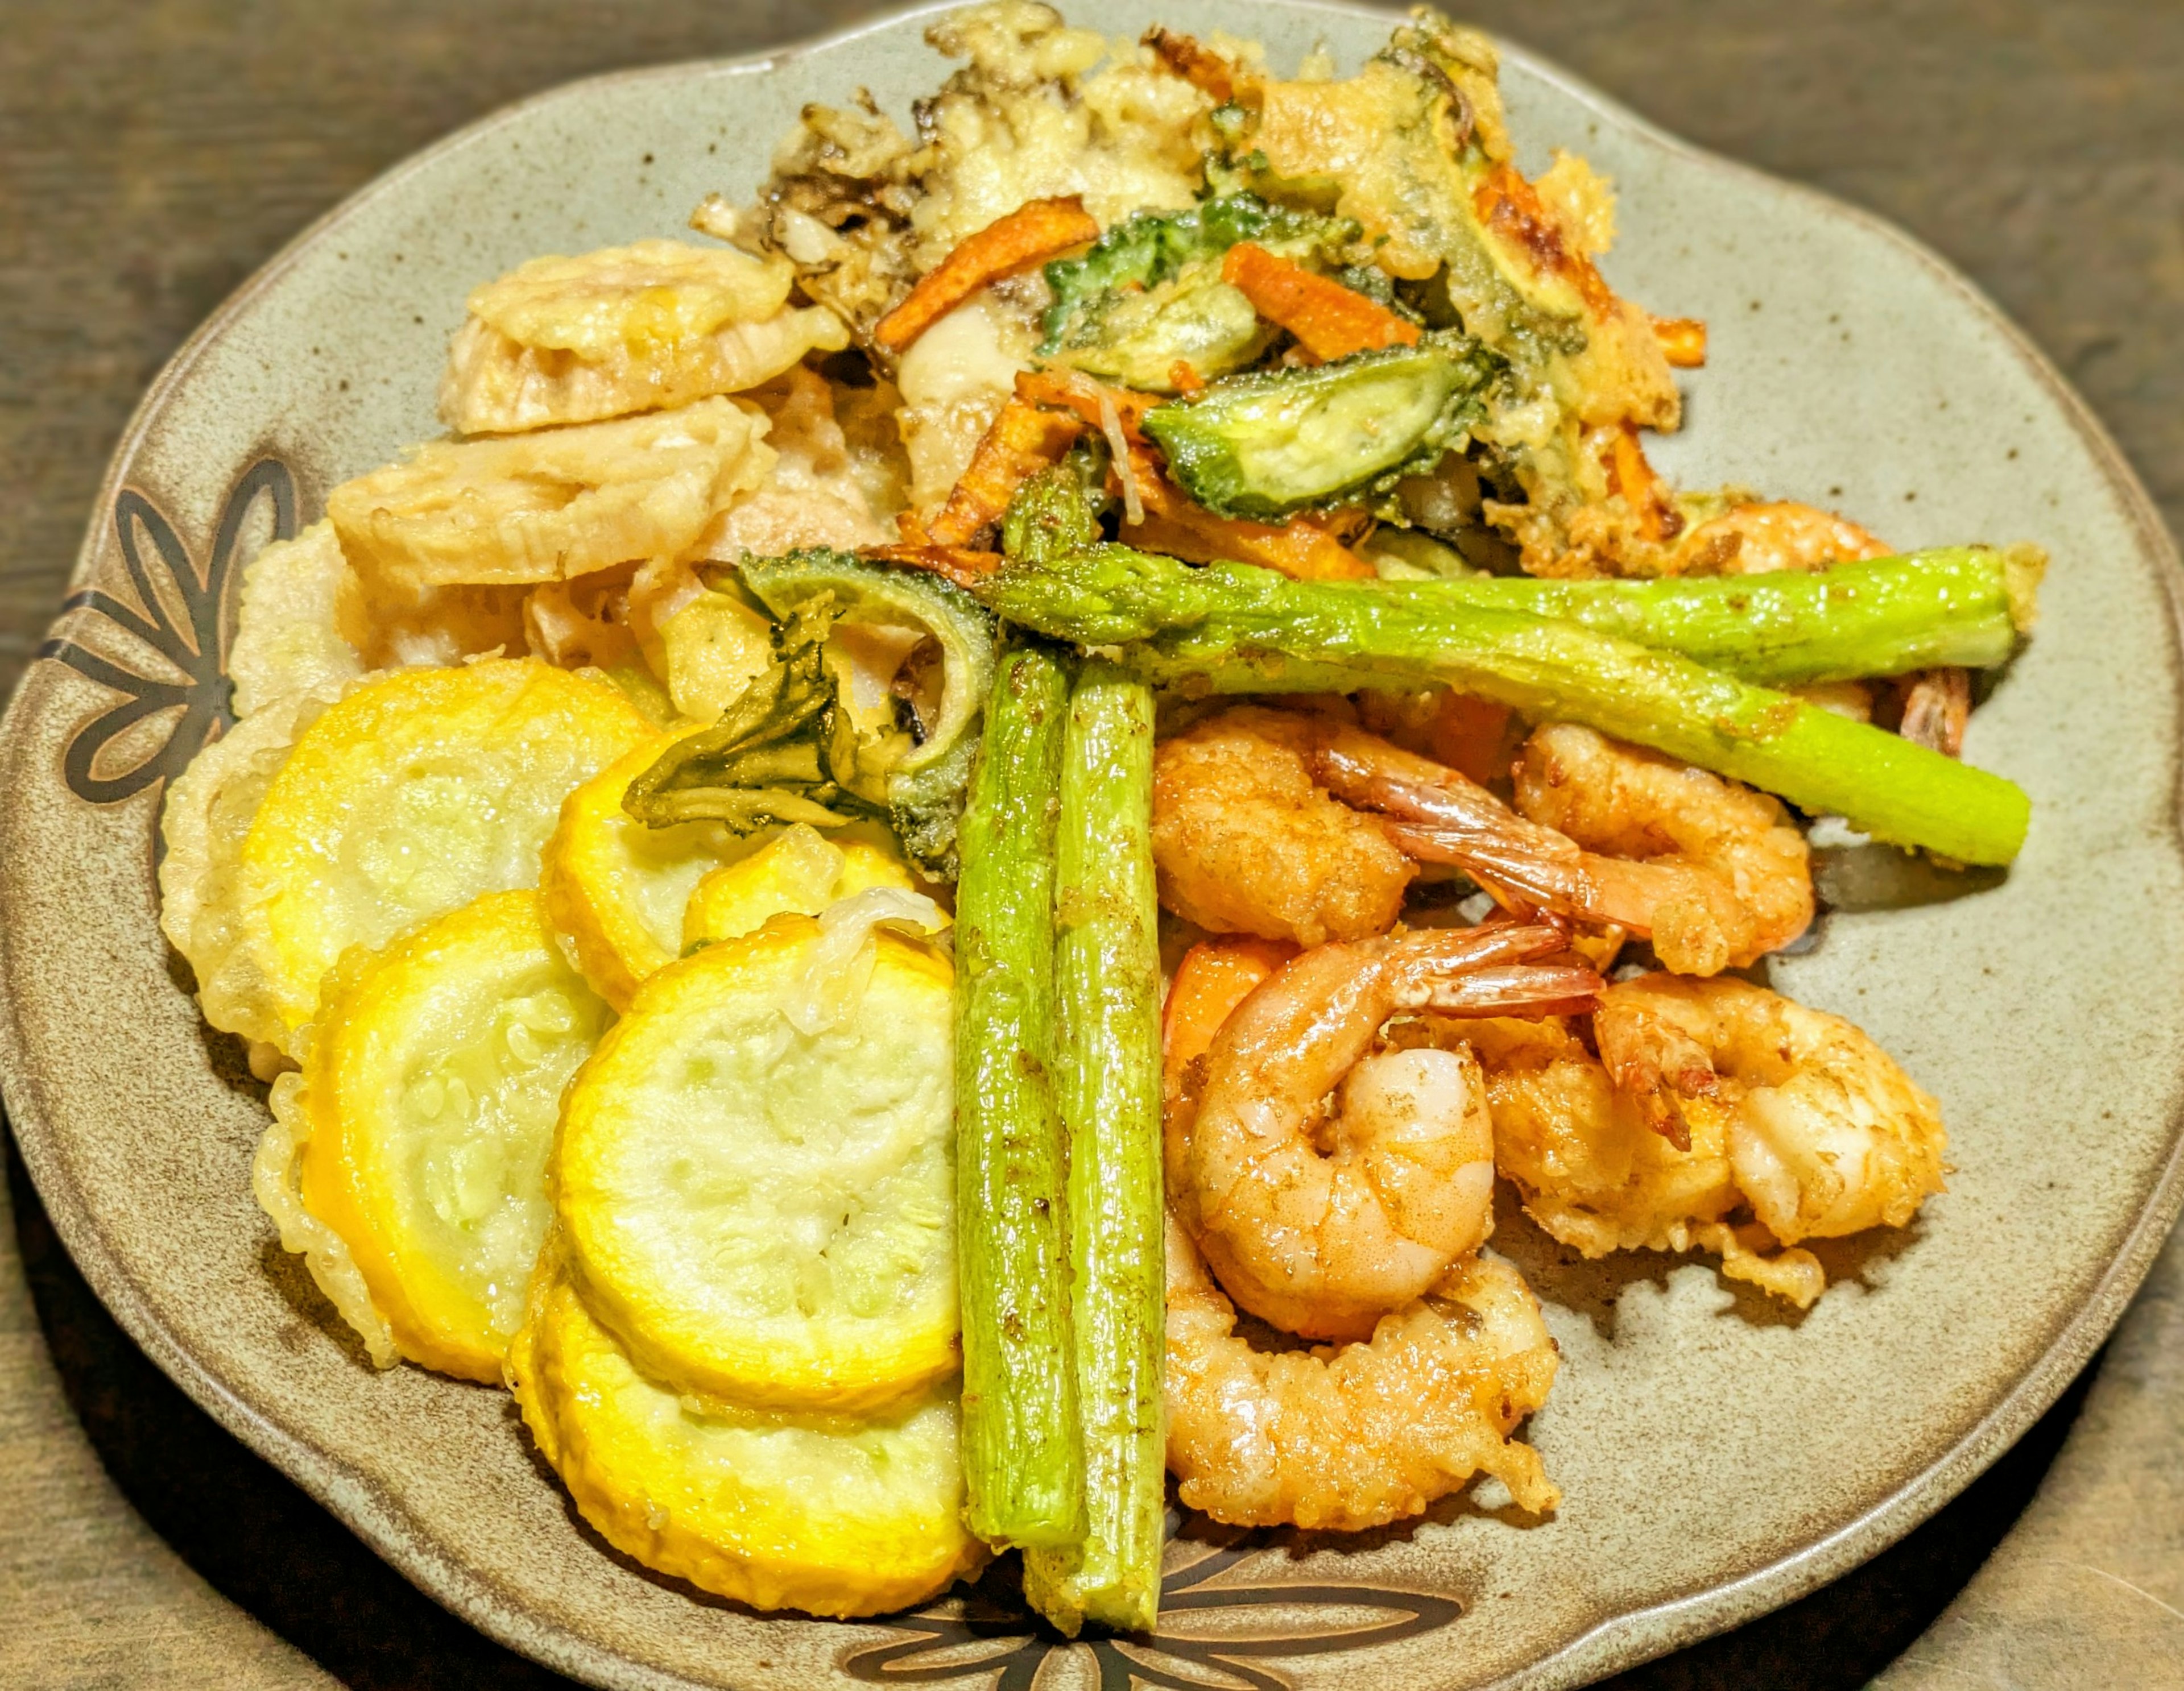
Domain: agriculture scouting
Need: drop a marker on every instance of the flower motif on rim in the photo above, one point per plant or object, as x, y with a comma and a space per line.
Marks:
986, 1639
178, 625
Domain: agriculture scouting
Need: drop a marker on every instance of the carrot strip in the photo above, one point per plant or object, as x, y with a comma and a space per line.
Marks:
1683, 341
1033, 233
1020, 441
1330, 321
1221, 80
1472, 736
1214, 977
1065, 390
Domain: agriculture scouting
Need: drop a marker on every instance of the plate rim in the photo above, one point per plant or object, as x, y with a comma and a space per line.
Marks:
1621, 1640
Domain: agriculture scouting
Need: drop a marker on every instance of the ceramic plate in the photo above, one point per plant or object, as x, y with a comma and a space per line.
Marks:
1718, 1456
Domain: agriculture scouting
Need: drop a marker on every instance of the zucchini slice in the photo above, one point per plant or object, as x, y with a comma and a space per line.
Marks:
417, 1133
417, 792
821, 1513
1142, 252
798, 872
1267, 445
755, 1171
615, 887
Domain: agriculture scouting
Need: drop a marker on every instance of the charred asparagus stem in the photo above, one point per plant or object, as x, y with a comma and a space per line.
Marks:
1966, 606
1234, 628
1107, 1079
1023, 1456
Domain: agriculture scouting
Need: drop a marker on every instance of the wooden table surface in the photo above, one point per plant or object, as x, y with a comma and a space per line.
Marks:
152, 154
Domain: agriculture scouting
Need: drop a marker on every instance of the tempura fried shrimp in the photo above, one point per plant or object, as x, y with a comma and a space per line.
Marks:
1825, 1133
1750, 540
1245, 843
1711, 871
1322, 1220
1732, 878
1788, 1112
1597, 1177
1360, 1435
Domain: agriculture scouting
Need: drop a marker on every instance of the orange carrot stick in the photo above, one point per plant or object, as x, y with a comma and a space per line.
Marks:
1683, 341
1213, 978
1021, 441
1065, 390
1035, 231
1221, 80
1330, 321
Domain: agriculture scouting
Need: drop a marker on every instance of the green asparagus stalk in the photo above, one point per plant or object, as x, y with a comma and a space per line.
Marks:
1232, 627
1023, 1456
1107, 1079
1965, 606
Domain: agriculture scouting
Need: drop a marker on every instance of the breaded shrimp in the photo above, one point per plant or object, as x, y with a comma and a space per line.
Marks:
1348, 1438
1789, 1113
1825, 1134
1752, 539
1712, 872
1356, 1436
1740, 874
1244, 842
1323, 1219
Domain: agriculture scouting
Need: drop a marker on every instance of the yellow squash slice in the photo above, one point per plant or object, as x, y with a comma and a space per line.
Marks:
800, 871
825, 1514
617, 887
756, 1172
417, 792
418, 1131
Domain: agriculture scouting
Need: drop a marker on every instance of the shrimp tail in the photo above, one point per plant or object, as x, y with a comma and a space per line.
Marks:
1530, 992
1656, 1065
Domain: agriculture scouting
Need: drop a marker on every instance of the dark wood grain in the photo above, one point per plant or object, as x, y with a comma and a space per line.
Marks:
153, 154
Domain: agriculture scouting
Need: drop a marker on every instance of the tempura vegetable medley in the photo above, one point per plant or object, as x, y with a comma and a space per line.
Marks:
926, 873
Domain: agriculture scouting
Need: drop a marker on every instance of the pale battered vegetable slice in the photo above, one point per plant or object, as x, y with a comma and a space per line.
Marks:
207, 816
712, 650
416, 794
1276, 441
299, 623
552, 506
799, 872
418, 1130
1029, 236
754, 1175
615, 887
638, 328
827, 1514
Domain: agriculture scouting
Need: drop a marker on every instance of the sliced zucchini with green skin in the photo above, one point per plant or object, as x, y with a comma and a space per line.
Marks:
1269, 444
899, 637
1153, 246
1138, 339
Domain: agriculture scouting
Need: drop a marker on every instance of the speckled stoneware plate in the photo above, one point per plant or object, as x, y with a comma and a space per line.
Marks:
1718, 1456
